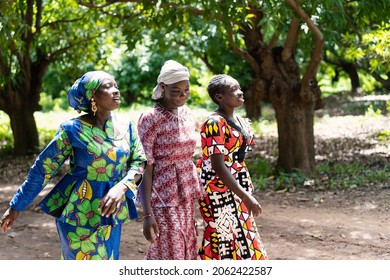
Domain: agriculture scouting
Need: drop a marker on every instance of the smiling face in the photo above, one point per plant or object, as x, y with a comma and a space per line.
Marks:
107, 97
175, 95
231, 95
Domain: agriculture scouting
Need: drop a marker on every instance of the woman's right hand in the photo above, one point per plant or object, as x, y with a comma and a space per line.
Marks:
8, 219
150, 229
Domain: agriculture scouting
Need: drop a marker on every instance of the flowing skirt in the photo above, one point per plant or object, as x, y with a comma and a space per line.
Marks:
177, 238
230, 231
79, 243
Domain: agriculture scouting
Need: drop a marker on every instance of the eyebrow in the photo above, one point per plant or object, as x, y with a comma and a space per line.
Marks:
176, 87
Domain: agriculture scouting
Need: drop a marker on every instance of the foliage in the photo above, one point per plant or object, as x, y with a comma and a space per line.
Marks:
328, 176
133, 38
261, 172
60, 38
358, 33
6, 139
384, 136
349, 175
139, 68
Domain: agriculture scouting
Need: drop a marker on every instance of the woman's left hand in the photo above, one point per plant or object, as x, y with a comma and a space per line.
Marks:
253, 206
112, 200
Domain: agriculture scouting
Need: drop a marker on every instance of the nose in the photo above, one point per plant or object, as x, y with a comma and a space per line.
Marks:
185, 93
116, 91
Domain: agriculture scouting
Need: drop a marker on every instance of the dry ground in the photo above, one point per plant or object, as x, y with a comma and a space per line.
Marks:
346, 225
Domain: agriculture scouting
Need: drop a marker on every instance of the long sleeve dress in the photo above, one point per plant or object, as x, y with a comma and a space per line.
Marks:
230, 231
98, 159
169, 144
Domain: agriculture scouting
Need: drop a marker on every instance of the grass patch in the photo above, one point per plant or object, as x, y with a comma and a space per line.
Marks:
327, 176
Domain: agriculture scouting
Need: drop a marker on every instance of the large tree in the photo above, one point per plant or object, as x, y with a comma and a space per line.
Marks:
34, 34
275, 73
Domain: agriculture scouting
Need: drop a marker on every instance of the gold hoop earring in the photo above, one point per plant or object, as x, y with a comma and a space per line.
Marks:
93, 106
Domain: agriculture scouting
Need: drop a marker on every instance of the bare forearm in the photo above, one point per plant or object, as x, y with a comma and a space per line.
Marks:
146, 190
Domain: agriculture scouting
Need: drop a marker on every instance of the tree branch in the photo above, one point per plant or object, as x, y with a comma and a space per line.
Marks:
274, 40
109, 3
63, 50
316, 57
237, 50
38, 17
211, 67
61, 21
291, 40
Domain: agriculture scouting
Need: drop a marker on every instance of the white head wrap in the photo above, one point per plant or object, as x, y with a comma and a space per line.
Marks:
171, 72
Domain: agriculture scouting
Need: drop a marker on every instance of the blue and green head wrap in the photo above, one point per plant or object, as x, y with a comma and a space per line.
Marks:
80, 93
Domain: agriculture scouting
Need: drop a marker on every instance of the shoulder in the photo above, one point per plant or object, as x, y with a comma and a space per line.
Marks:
214, 119
122, 122
71, 124
149, 113
150, 116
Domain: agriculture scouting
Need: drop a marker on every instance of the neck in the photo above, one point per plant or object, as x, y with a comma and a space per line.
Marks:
100, 119
172, 109
225, 112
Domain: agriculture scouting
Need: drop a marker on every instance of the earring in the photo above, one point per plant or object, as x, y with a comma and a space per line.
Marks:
93, 106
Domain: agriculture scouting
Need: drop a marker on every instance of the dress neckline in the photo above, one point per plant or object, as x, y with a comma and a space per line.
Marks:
108, 128
180, 112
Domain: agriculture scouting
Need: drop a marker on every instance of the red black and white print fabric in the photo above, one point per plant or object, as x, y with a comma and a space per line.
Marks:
230, 231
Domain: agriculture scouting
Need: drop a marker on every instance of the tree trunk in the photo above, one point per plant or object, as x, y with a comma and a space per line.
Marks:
294, 110
24, 130
253, 99
296, 136
20, 101
350, 69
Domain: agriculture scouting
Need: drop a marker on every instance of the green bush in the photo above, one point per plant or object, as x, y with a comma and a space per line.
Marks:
261, 171
327, 176
6, 138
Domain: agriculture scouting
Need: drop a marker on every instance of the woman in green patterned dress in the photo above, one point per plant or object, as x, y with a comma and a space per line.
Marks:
96, 196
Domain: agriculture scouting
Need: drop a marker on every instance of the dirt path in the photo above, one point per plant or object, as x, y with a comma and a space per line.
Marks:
295, 226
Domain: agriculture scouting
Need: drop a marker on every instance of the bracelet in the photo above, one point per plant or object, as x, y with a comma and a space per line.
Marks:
131, 186
147, 215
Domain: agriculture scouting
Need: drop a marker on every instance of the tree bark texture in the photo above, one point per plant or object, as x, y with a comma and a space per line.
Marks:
20, 102
24, 129
281, 84
277, 78
351, 70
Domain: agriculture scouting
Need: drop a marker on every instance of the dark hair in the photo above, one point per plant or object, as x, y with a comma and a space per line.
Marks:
216, 85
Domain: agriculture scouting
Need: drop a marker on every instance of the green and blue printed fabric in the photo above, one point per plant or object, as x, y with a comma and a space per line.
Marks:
98, 160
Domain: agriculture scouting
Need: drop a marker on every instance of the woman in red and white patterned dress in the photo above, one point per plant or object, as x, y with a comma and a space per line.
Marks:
171, 183
228, 209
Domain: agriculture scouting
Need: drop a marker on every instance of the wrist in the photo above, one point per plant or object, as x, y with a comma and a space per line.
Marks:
149, 215
130, 186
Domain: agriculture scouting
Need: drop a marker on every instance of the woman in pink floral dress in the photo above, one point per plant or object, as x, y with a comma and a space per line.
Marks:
171, 183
